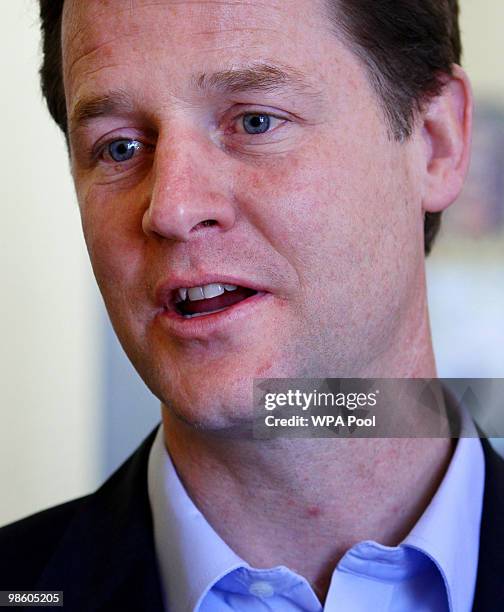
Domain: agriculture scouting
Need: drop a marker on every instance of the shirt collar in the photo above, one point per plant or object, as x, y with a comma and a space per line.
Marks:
191, 555
448, 530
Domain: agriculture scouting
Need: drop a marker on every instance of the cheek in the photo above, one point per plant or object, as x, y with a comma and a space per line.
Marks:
339, 215
110, 224
331, 197
287, 201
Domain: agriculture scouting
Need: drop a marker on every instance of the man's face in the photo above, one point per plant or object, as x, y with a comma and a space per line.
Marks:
254, 118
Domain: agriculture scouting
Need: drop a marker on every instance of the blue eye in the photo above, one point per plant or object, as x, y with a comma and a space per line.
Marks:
123, 150
256, 123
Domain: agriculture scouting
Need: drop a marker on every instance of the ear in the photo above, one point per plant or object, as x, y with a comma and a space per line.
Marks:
447, 132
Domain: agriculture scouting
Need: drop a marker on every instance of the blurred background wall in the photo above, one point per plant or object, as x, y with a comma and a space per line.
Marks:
50, 339
466, 270
72, 408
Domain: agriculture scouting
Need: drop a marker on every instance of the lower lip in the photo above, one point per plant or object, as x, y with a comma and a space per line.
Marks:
204, 325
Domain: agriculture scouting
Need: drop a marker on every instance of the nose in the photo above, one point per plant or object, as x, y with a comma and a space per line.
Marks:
188, 192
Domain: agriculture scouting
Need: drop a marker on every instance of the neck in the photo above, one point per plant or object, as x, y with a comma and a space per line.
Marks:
303, 503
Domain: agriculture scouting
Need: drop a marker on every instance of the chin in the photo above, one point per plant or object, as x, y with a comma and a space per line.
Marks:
217, 418
211, 406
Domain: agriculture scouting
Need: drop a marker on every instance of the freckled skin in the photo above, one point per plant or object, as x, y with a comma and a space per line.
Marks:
327, 219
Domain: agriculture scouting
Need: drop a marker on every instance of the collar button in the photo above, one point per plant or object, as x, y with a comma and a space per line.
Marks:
260, 588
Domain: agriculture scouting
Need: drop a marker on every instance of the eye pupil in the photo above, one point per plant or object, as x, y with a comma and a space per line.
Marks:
122, 150
256, 124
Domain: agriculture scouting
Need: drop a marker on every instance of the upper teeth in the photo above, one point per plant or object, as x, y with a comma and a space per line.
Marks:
203, 292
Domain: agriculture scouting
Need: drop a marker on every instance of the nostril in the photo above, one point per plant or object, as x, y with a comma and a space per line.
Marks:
207, 223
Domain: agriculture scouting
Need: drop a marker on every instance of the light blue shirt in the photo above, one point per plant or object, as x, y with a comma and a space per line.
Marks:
432, 570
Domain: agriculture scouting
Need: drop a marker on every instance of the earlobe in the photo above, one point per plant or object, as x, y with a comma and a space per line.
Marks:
447, 129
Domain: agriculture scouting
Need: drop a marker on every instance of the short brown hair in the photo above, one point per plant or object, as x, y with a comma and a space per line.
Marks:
406, 46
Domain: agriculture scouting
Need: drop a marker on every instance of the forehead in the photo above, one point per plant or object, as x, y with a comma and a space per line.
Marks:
95, 20
178, 37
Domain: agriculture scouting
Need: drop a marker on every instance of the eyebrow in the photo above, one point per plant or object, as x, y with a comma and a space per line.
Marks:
86, 109
257, 77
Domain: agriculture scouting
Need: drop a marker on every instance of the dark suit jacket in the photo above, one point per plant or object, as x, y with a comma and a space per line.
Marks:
99, 549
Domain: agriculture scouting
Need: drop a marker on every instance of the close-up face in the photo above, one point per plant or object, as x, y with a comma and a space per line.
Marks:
239, 144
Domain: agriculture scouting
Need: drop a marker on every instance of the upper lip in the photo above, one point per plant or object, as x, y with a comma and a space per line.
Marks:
166, 290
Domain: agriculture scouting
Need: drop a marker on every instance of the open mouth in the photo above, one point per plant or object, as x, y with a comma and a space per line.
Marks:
209, 299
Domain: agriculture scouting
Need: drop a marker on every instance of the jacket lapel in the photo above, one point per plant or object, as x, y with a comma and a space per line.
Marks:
106, 558
489, 595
